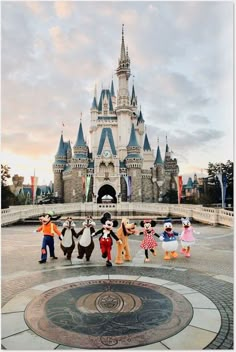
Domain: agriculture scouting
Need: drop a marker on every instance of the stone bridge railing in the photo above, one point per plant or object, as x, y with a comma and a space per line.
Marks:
199, 213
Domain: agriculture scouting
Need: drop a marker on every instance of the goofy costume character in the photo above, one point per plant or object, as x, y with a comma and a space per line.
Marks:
48, 229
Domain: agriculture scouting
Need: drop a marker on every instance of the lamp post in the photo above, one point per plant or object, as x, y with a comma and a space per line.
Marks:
222, 179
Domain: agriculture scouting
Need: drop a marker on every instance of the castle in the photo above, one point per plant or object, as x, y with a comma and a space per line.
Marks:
119, 164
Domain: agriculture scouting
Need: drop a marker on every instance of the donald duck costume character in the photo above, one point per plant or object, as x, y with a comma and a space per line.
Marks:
169, 240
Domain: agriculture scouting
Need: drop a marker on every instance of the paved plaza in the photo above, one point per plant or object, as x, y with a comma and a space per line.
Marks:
180, 304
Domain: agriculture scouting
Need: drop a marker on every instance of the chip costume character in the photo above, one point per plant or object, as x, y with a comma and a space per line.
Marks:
107, 234
122, 249
86, 243
68, 233
169, 240
148, 242
48, 229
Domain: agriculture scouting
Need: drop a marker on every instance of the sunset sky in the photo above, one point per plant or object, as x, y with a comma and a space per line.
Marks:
53, 54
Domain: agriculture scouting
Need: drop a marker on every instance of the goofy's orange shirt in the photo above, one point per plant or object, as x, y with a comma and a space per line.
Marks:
49, 229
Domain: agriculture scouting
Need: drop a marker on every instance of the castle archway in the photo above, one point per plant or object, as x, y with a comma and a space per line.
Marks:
106, 194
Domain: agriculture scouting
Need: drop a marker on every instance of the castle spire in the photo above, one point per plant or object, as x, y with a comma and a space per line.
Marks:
133, 140
80, 141
146, 144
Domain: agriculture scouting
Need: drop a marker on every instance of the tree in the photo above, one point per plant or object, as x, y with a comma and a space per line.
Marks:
171, 196
4, 174
7, 197
214, 188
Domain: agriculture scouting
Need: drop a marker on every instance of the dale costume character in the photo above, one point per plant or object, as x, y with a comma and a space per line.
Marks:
124, 231
187, 238
68, 233
169, 240
85, 243
148, 242
48, 228
106, 234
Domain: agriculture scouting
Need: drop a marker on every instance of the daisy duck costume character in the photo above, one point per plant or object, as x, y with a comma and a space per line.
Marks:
148, 242
169, 240
105, 239
187, 238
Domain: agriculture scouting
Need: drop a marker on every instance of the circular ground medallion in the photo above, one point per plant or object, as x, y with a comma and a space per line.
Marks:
106, 314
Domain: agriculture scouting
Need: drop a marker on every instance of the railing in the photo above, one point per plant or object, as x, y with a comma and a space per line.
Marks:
199, 213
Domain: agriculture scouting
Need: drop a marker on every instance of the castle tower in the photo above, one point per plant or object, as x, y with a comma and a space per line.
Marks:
158, 174
58, 168
148, 159
134, 163
79, 167
124, 110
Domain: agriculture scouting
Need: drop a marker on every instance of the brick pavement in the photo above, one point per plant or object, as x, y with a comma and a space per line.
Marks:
209, 270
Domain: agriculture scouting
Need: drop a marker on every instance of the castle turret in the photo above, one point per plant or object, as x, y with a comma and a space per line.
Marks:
113, 96
58, 168
123, 74
134, 162
79, 167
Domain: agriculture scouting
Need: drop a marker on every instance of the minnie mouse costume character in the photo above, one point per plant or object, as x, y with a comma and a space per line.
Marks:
85, 243
105, 239
187, 238
169, 240
48, 229
148, 242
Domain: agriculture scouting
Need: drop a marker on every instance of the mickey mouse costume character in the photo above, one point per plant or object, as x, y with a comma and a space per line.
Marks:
148, 242
68, 233
105, 239
48, 229
187, 238
86, 244
169, 240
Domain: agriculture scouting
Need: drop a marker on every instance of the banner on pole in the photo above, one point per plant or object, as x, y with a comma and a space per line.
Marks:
88, 179
128, 181
83, 184
34, 183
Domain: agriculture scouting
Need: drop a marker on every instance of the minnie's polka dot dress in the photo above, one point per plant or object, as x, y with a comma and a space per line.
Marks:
149, 241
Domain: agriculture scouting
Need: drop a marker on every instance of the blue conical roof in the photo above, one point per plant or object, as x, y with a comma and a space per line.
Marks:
61, 148
94, 103
80, 142
146, 145
133, 97
140, 118
133, 140
112, 89
158, 157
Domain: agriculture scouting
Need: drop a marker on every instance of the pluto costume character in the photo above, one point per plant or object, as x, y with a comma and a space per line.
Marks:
123, 251
48, 229
86, 244
105, 239
68, 233
169, 240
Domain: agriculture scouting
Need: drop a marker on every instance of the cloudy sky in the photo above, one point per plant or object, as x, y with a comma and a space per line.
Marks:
53, 54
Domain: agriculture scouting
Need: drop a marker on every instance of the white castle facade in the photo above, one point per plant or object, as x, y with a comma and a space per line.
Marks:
119, 165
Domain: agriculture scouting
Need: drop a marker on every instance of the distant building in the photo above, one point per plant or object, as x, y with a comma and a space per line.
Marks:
119, 162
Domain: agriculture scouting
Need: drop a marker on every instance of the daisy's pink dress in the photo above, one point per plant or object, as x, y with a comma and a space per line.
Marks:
187, 238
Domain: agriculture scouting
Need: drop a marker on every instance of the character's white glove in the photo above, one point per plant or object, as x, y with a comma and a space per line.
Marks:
93, 234
120, 242
161, 238
72, 225
35, 231
60, 237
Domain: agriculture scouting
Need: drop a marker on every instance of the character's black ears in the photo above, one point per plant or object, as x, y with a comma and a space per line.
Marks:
152, 222
115, 223
105, 217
